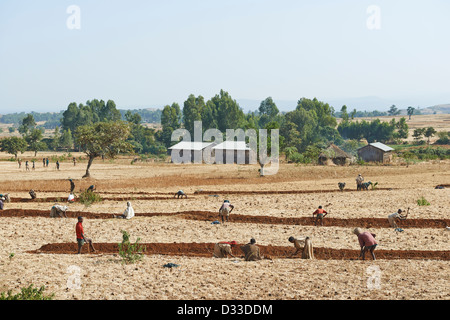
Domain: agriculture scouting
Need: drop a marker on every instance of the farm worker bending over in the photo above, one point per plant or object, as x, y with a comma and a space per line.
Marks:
32, 194
180, 194
58, 211
251, 251
225, 210
1, 203
81, 239
128, 213
223, 249
397, 216
319, 214
91, 188
366, 241
307, 248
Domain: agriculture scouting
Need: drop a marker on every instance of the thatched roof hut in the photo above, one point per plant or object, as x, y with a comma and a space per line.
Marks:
334, 155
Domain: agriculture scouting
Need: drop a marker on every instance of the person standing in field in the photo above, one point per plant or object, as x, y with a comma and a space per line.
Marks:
46, 162
74, 161
72, 186
225, 210
366, 241
27, 167
319, 214
43, 162
81, 238
20, 163
57, 165
34, 166
223, 249
393, 218
359, 182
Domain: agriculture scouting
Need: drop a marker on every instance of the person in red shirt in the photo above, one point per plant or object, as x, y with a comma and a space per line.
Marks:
81, 239
319, 214
366, 241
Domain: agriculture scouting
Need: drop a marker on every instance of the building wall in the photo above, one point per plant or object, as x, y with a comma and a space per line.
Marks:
372, 154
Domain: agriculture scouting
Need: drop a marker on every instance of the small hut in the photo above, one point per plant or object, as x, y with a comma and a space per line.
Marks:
334, 155
376, 152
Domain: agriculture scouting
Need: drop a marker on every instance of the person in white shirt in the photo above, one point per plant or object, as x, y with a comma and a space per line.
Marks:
128, 213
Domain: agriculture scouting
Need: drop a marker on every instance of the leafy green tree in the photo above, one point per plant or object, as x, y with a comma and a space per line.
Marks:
192, 111
28, 123
13, 145
134, 118
33, 138
268, 111
11, 129
170, 121
418, 133
410, 112
228, 113
393, 111
402, 129
344, 113
56, 138
429, 133
66, 140
108, 138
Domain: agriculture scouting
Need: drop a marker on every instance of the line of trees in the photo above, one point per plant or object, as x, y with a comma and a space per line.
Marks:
98, 128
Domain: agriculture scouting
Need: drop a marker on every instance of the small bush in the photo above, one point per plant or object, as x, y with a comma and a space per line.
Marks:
88, 197
129, 252
29, 293
423, 202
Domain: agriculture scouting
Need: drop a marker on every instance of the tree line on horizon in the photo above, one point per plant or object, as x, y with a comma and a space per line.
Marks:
98, 128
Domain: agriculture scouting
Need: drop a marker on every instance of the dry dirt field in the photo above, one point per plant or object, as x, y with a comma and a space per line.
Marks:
413, 264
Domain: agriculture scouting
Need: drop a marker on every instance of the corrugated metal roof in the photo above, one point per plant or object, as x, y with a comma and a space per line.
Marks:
232, 145
380, 146
191, 145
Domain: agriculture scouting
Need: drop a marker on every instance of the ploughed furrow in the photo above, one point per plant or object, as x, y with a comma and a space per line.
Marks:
62, 199
269, 252
203, 192
238, 218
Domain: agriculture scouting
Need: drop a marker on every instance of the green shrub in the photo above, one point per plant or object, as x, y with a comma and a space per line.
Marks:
29, 293
129, 252
423, 202
88, 197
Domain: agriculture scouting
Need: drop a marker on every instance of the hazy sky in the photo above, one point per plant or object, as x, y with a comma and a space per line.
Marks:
152, 53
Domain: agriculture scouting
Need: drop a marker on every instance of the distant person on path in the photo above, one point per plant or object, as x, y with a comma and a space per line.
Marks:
128, 213
34, 166
251, 251
27, 167
393, 218
359, 181
20, 163
223, 249
225, 210
46, 162
74, 161
43, 162
81, 238
181, 194
57, 165
304, 245
319, 214
366, 241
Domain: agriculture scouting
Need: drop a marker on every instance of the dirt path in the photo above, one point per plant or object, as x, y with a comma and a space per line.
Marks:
270, 252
